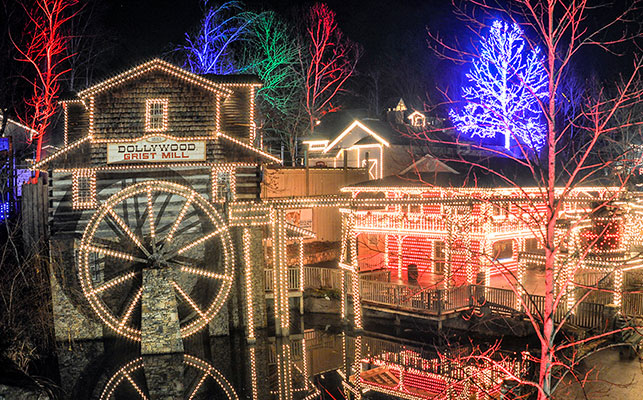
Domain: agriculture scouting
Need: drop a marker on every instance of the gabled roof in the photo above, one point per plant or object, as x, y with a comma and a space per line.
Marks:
360, 125
154, 65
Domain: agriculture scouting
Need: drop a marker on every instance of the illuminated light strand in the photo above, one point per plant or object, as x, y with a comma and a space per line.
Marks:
154, 135
253, 373
179, 218
207, 274
213, 373
356, 123
249, 147
301, 265
60, 152
155, 64
113, 253
247, 264
130, 308
97, 304
150, 215
118, 377
155, 166
357, 302
87, 200
189, 300
217, 120
198, 385
113, 282
92, 108
201, 240
65, 124
138, 389
251, 116
150, 106
119, 221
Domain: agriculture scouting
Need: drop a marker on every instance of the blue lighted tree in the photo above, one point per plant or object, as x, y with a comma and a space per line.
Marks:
507, 83
209, 50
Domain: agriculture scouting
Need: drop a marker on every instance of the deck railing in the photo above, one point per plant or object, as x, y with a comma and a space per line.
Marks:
632, 304
500, 301
314, 278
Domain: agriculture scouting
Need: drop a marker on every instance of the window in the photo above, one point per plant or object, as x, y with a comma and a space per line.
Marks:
156, 115
503, 250
223, 186
84, 189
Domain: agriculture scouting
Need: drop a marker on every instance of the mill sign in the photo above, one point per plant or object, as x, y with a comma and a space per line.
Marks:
156, 149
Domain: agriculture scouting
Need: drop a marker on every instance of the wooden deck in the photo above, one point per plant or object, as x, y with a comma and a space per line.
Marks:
416, 301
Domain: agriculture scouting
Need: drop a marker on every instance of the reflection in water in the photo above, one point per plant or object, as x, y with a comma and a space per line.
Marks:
301, 367
128, 382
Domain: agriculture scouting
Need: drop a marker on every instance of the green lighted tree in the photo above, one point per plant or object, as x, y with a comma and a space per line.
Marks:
273, 56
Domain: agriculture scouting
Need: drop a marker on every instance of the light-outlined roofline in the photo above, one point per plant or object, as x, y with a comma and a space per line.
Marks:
356, 123
415, 112
154, 64
89, 139
250, 147
32, 131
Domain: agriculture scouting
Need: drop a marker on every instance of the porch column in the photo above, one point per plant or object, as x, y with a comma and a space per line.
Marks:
399, 257
618, 287
467, 233
352, 258
280, 269
448, 248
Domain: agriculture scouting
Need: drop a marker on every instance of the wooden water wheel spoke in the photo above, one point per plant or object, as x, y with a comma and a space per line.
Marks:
114, 282
208, 378
196, 242
201, 272
130, 308
189, 300
133, 241
150, 217
179, 219
198, 386
114, 253
119, 221
138, 389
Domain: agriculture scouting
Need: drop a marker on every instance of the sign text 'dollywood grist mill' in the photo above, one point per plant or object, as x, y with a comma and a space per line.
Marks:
156, 149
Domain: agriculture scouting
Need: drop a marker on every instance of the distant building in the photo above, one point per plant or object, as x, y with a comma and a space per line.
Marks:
388, 146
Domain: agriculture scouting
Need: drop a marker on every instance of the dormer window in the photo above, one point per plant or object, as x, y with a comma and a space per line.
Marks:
417, 119
156, 115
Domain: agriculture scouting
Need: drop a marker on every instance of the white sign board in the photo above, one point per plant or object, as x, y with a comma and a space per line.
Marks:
302, 217
155, 149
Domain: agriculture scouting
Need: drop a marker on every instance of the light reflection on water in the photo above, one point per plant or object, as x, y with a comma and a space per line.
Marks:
311, 363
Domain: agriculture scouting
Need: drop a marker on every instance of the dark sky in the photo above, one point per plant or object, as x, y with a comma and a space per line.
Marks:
146, 28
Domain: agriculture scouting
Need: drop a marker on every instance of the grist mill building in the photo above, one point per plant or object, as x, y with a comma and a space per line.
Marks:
140, 240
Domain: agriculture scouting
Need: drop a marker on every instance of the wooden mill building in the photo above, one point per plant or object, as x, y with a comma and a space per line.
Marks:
152, 159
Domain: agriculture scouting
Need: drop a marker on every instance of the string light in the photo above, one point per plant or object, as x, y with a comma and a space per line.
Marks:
247, 265
107, 209
208, 372
154, 65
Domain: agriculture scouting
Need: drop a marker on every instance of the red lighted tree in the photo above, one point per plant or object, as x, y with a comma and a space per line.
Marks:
44, 49
331, 60
562, 29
